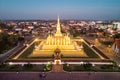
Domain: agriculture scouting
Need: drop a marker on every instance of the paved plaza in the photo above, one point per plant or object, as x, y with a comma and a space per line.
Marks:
60, 76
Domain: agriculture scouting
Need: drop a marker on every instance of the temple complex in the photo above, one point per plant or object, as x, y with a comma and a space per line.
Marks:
68, 47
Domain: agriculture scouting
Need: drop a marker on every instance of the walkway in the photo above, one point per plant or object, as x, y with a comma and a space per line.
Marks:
60, 76
57, 68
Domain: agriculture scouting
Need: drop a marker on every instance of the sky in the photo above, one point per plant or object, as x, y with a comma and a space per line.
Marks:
66, 9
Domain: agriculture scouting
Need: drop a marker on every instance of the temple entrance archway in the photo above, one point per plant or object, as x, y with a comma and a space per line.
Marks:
57, 62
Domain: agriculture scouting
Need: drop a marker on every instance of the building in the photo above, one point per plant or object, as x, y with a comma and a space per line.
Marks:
116, 25
67, 46
116, 46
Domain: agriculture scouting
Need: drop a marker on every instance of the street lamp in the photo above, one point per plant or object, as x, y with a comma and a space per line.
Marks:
36, 39
44, 70
82, 40
81, 63
0, 30
68, 65
10, 63
93, 65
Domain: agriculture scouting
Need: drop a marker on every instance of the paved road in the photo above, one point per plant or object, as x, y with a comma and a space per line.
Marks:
9, 53
110, 53
60, 76
15, 50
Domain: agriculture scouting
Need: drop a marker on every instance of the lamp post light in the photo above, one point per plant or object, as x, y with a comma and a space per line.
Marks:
36, 39
68, 65
44, 70
1, 31
108, 48
81, 63
93, 65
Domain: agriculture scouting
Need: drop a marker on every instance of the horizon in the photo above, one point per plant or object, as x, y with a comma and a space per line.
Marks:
55, 19
67, 9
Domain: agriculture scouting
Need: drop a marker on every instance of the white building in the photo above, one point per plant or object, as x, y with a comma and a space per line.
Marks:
116, 46
116, 25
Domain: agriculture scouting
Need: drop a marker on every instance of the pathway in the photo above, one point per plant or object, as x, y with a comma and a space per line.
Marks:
60, 76
57, 68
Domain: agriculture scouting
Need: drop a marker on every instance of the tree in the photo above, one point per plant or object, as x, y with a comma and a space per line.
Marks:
116, 36
7, 42
76, 33
87, 66
28, 66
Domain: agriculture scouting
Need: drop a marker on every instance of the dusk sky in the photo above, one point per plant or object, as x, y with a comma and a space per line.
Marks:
66, 9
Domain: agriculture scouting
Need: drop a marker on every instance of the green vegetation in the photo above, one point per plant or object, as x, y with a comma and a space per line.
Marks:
28, 66
27, 52
89, 51
25, 67
89, 67
7, 67
48, 67
8, 41
67, 67
75, 33
108, 68
116, 36
78, 67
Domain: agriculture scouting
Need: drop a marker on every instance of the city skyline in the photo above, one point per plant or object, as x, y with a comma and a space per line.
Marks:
66, 9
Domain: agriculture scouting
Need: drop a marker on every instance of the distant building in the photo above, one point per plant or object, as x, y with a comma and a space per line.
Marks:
116, 46
103, 24
116, 25
18, 29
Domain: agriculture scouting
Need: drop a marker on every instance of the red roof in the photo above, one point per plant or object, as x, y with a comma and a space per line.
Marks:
117, 42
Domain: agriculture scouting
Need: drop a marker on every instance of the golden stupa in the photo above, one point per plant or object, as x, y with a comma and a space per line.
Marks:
68, 47
58, 41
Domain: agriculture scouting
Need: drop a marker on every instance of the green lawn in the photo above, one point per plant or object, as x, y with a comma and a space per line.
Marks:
27, 52
89, 51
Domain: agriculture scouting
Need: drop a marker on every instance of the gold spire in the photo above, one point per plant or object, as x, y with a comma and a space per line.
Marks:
58, 22
58, 32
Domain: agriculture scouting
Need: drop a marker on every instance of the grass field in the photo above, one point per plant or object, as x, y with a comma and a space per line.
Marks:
89, 51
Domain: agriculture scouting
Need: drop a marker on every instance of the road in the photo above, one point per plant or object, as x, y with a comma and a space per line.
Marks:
14, 50
10, 53
60, 76
109, 53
